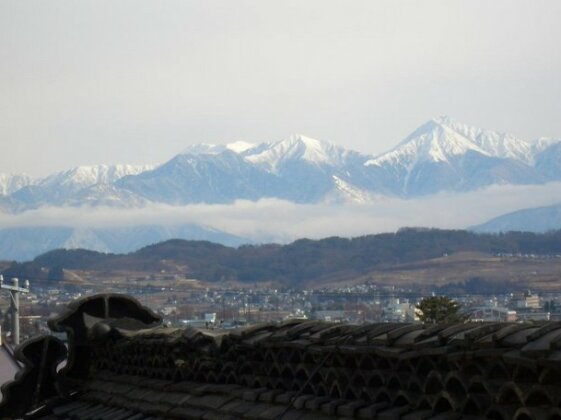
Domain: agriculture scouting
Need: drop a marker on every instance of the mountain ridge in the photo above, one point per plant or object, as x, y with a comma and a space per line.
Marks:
444, 154
25, 243
440, 155
315, 262
536, 220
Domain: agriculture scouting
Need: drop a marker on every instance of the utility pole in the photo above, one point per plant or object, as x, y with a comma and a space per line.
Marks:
14, 290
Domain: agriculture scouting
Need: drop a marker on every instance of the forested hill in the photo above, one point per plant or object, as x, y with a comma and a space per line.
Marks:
301, 261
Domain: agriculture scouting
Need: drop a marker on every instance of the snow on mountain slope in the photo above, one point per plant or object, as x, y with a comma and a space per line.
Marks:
10, 183
441, 155
345, 192
500, 145
442, 138
206, 178
84, 238
240, 146
298, 169
64, 188
432, 142
444, 154
543, 143
271, 156
85, 176
214, 149
105, 195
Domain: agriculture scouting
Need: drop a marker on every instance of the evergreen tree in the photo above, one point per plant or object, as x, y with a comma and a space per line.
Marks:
437, 309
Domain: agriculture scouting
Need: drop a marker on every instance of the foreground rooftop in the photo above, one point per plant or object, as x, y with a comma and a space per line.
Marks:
122, 363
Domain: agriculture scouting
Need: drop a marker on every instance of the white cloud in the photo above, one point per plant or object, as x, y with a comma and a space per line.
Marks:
281, 221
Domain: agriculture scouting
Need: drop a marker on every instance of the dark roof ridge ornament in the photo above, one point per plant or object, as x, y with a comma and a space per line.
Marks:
95, 317
38, 382
86, 321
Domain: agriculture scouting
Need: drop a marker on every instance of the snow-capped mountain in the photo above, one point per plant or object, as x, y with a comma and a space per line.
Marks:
208, 178
495, 144
10, 183
441, 155
444, 154
68, 186
85, 176
298, 168
308, 170
434, 141
214, 149
274, 155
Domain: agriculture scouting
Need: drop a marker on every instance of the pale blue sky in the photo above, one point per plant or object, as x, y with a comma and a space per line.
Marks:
136, 81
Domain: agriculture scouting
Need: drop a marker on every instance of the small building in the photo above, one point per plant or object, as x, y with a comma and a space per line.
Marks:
492, 314
330, 315
527, 300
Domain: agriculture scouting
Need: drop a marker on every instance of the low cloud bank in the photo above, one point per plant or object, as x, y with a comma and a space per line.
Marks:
281, 221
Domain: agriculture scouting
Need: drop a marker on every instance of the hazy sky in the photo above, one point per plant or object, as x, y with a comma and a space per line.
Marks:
136, 81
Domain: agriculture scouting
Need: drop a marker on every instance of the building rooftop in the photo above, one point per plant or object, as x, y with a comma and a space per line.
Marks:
8, 364
122, 363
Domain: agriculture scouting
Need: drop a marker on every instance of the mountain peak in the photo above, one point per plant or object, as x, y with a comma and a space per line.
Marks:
215, 149
86, 175
297, 137
203, 149
240, 146
443, 154
310, 144
10, 183
443, 120
296, 147
435, 141
443, 137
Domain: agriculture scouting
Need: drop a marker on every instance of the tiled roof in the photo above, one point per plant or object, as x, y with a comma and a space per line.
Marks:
8, 365
123, 365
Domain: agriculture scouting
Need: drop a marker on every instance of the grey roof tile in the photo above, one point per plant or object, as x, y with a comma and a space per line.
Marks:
371, 410
393, 413
237, 407
350, 409
137, 416
262, 410
285, 397
330, 408
311, 369
211, 415
540, 345
66, 408
137, 393
118, 414
186, 413
213, 402
316, 402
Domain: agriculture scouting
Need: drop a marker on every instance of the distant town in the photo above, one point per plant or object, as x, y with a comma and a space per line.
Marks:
188, 302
